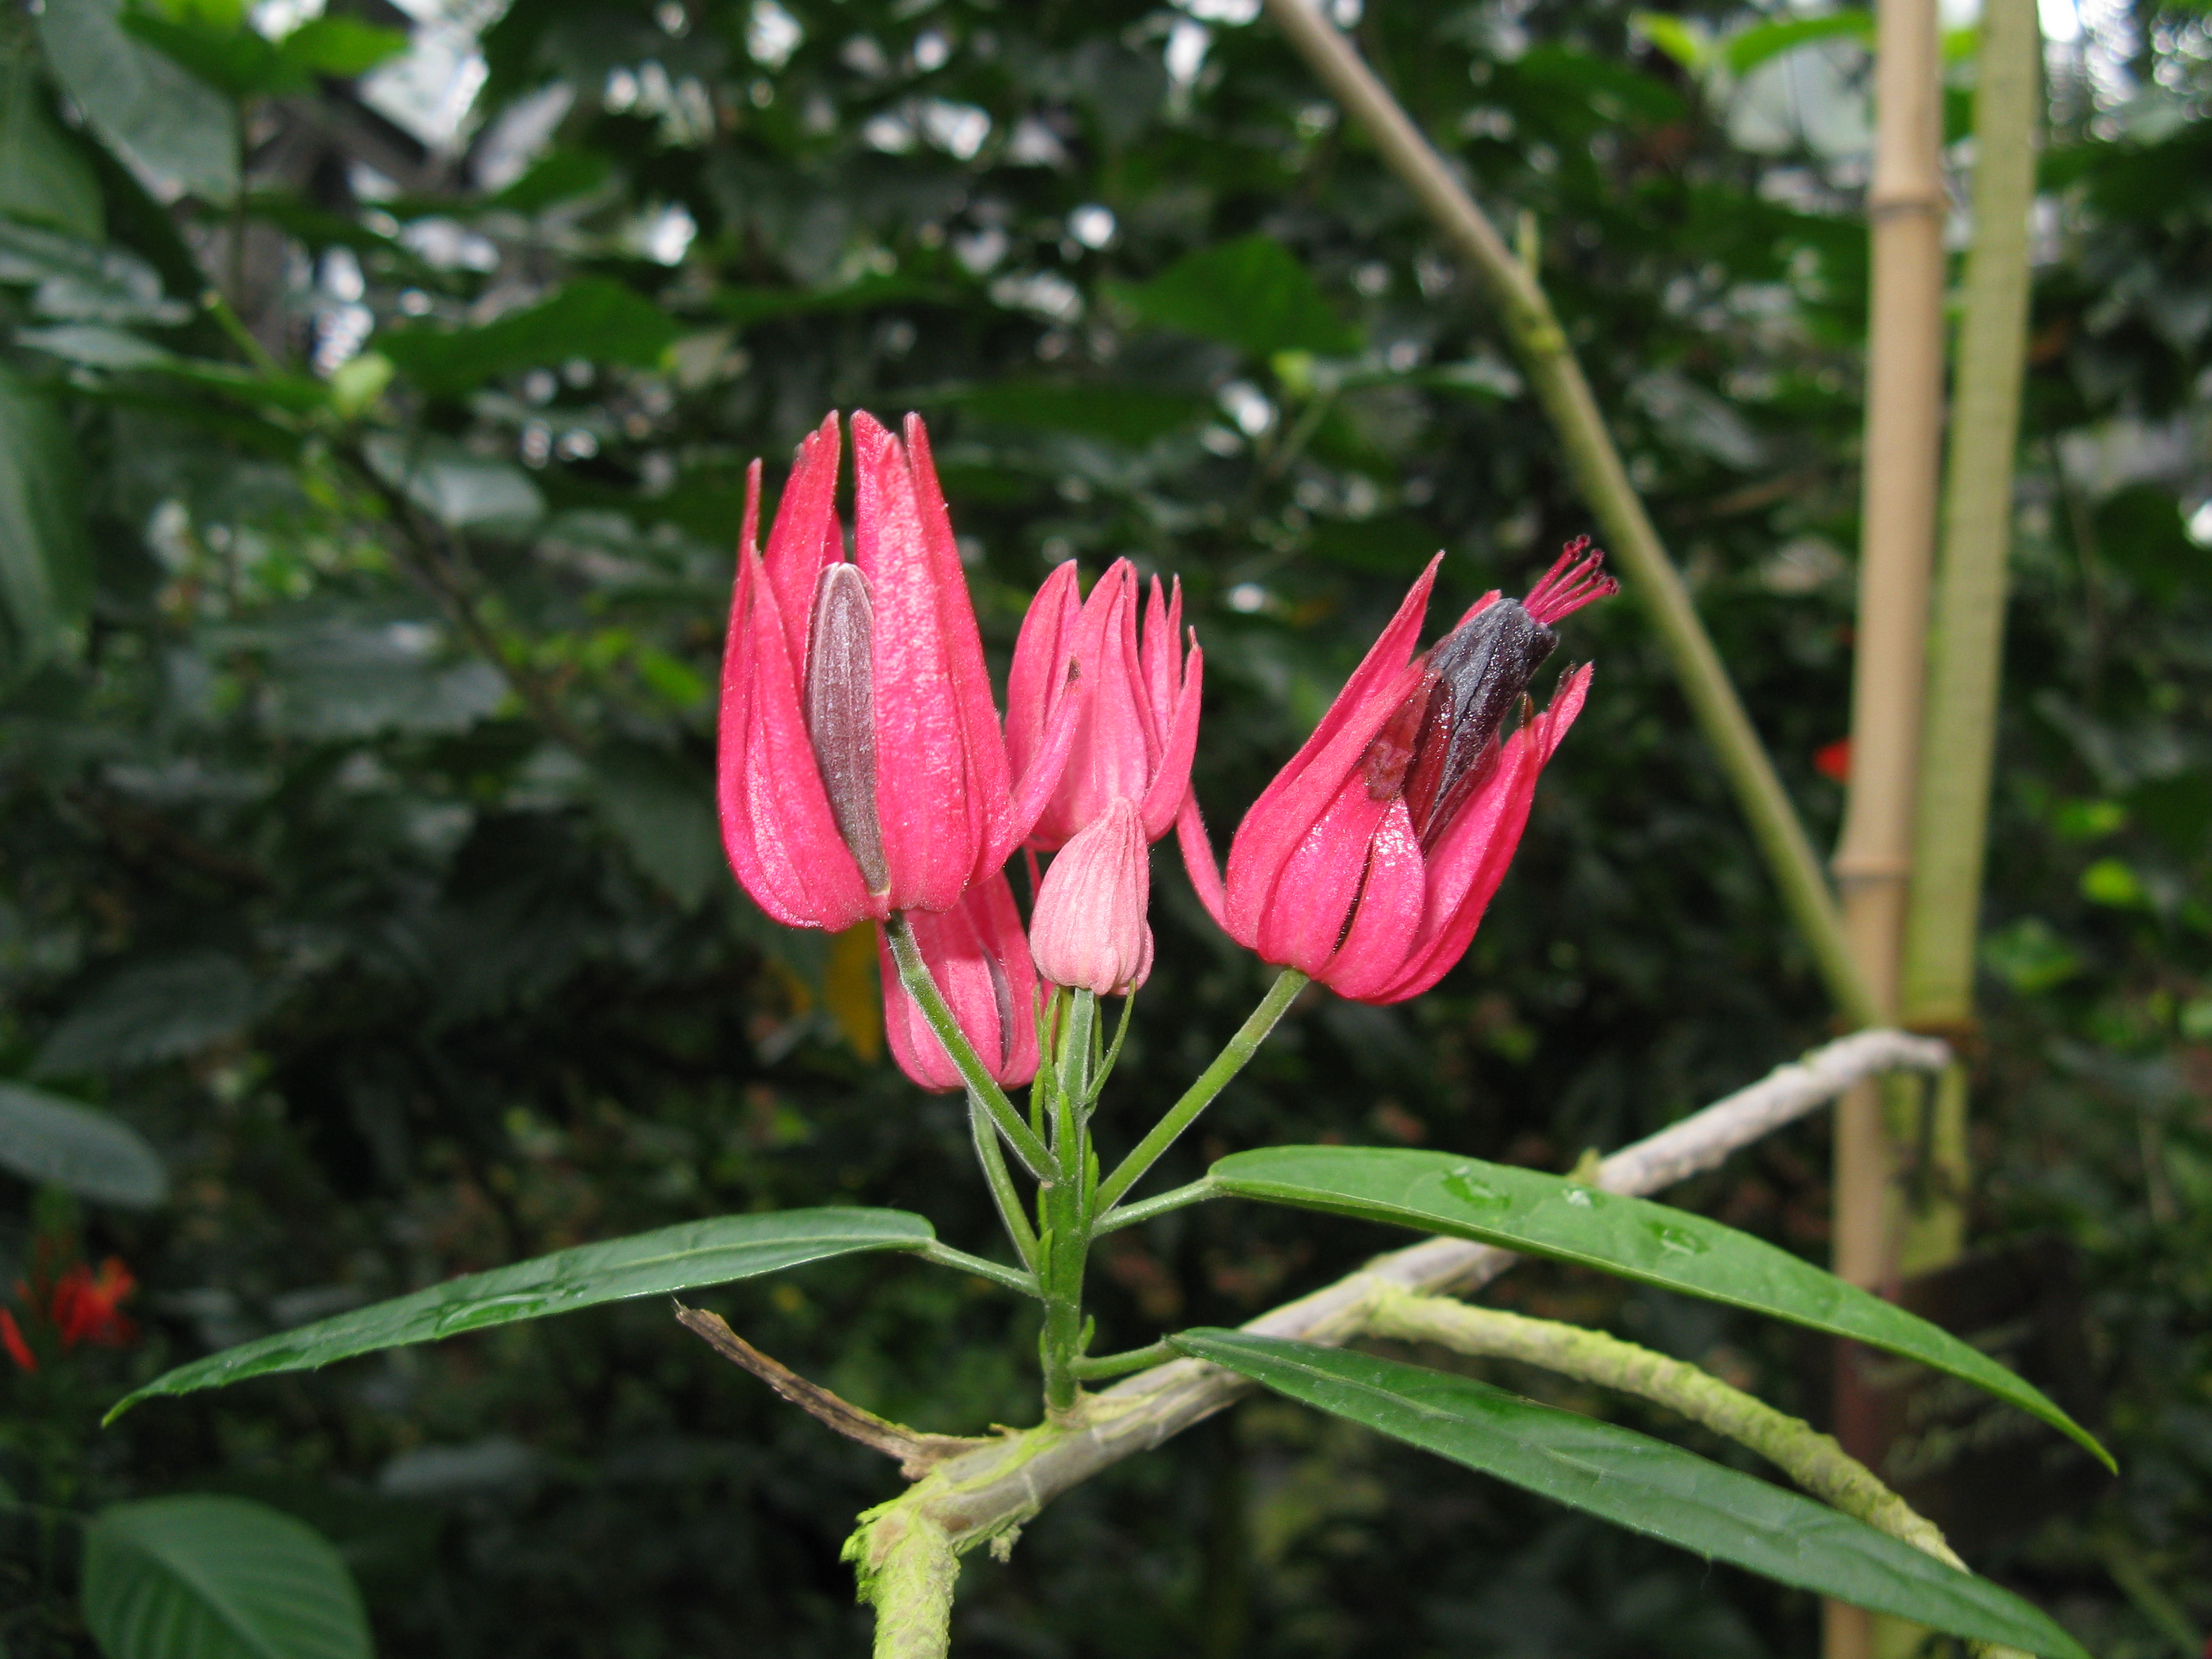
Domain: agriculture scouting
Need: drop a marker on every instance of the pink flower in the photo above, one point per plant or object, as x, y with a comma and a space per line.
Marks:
980, 962
1089, 929
833, 667
1368, 862
1135, 735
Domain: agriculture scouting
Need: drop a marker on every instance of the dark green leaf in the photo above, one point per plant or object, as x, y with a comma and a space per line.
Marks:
238, 63
347, 680
594, 319
207, 1577
1133, 416
679, 1258
45, 563
664, 811
177, 132
1252, 294
457, 488
1548, 1215
154, 1011
1639, 1483
561, 176
45, 1138
746, 306
44, 176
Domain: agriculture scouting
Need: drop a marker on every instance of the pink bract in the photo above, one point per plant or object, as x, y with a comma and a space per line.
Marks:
830, 667
1138, 727
1368, 860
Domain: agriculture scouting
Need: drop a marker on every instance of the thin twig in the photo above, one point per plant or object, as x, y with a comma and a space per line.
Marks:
917, 1452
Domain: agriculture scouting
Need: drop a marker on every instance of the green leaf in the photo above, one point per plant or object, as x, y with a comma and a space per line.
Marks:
1131, 415
664, 812
82, 281
153, 1012
207, 1577
340, 47
237, 62
45, 1138
1549, 1215
680, 1258
1687, 43
1252, 294
1747, 50
747, 306
559, 175
457, 488
595, 319
44, 176
45, 559
179, 135
1635, 1481
94, 345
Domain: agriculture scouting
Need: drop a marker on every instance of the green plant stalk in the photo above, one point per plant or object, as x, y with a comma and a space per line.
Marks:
1965, 650
914, 975
1129, 1215
1067, 1220
1210, 1082
1004, 1197
1120, 1364
1595, 466
1814, 1461
945, 1256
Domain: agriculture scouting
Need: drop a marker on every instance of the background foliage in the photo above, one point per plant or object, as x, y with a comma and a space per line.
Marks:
361, 624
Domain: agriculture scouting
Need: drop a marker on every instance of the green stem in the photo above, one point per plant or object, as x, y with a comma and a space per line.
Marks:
1068, 1221
1003, 1195
1129, 1215
1113, 1052
945, 1256
1210, 1082
1602, 480
1120, 1364
914, 975
1814, 1461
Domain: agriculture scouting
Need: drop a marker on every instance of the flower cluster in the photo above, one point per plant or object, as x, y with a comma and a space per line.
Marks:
865, 773
79, 1304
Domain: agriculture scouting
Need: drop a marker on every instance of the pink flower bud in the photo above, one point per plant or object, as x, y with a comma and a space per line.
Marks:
1088, 930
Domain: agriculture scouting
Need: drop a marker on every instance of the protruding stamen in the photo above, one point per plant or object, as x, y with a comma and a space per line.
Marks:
840, 712
1575, 579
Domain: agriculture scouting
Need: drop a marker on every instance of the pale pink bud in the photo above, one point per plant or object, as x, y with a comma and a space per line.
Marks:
1089, 929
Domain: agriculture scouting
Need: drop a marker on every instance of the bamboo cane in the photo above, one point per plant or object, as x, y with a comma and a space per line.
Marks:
1967, 641
1906, 203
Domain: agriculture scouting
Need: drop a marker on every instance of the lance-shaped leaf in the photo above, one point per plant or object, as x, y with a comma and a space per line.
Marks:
1549, 1215
679, 1258
1635, 1481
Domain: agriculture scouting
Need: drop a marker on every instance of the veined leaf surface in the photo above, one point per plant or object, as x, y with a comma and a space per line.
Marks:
1635, 1481
679, 1258
1549, 1215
